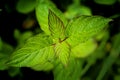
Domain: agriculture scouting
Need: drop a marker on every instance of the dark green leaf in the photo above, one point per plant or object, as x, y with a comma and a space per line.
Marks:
26, 6
105, 2
5, 52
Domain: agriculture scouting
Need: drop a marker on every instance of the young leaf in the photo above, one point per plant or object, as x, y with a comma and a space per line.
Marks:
84, 27
42, 14
56, 26
37, 50
62, 51
25, 6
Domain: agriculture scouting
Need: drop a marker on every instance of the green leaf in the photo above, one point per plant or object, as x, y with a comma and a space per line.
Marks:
56, 26
25, 6
105, 2
70, 72
17, 34
42, 11
5, 52
82, 28
3, 59
62, 51
45, 66
84, 49
37, 50
77, 10
22, 37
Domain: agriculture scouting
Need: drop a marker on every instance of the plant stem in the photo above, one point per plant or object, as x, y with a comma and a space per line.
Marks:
85, 69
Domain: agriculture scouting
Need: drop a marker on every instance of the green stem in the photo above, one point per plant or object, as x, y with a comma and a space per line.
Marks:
85, 69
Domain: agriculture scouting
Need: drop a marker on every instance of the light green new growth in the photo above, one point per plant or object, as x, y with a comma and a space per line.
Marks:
62, 51
42, 12
56, 26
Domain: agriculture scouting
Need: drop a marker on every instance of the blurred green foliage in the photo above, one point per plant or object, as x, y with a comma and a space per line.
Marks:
25, 6
105, 2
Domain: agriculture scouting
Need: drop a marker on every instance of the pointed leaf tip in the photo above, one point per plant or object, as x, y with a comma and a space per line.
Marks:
56, 26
